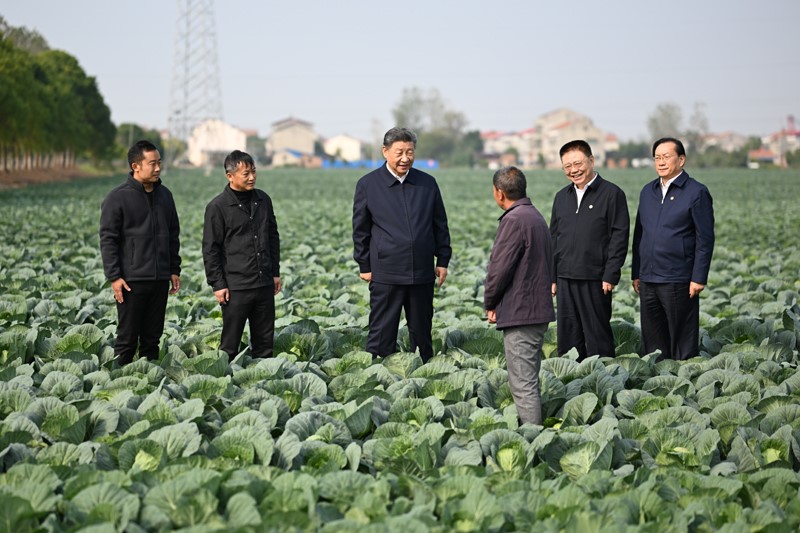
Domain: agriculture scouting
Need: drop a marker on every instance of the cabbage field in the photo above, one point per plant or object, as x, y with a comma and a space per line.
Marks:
320, 438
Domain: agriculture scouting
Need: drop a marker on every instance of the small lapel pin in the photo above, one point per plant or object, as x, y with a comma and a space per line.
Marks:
590, 206
671, 198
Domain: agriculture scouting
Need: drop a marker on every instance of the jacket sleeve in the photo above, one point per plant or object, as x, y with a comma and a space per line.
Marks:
441, 232
174, 240
111, 238
213, 247
362, 228
703, 218
554, 240
506, 253
274, 241
637, 239
619, 227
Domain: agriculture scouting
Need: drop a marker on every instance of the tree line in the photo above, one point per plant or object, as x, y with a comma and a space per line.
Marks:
51, 112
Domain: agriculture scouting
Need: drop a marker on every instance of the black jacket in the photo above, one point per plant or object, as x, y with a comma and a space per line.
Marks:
590, 243
241, 246
398, 228
517, 283
139, 233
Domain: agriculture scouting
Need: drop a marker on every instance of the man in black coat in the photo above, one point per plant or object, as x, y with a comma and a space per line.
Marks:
242, 254
399, 229
139, 244
590, 226
517, 289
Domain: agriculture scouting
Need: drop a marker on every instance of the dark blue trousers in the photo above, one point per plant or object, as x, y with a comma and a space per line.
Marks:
670, 320
385, 302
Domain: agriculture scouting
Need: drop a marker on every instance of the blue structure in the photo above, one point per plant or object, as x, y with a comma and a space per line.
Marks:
422, 164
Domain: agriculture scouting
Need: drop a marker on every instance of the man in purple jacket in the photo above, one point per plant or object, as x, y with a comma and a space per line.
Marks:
399, 230
517, 289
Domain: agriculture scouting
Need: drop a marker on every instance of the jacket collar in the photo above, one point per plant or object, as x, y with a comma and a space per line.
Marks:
680, 181
138, 186
596, 184
522, 201
231, 197
390, 180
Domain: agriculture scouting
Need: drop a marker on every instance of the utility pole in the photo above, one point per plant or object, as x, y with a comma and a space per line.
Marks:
195, 93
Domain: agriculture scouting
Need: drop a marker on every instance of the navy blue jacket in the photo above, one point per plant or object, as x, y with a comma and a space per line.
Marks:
241, 244
673, 240
517, 283
398, 228
139, 233
590, 243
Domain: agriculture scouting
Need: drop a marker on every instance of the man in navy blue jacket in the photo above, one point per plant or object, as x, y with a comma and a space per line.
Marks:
673, 240
399, 227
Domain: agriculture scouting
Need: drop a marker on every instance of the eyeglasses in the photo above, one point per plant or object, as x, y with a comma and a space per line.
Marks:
664, 158
577, 164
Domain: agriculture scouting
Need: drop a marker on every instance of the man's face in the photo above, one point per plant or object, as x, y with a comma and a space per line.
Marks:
148, 170
400, 157
578, 167
244, 179
668, 163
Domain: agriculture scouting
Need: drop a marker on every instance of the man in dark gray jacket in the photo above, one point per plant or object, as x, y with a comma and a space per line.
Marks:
139, 244
517, 289
242, 254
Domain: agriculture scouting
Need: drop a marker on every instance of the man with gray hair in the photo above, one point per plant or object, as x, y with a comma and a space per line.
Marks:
401, 243
517, 289
242, 254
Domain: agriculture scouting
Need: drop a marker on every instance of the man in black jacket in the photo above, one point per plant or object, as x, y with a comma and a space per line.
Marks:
517, 289
590, 227
242, 254
139, 244
399, 227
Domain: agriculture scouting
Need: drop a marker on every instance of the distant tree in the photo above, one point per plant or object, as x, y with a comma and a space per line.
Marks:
633, 150
665, 121
698, 130
129, 133
256, 147
440, 131
793, 159
29, 40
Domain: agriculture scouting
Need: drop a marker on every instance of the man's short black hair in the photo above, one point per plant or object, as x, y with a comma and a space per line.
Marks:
394, 135
511, 181
136, 152
578, 144
678, 145
236, 157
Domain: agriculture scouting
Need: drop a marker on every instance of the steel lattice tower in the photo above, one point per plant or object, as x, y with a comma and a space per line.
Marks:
195, 93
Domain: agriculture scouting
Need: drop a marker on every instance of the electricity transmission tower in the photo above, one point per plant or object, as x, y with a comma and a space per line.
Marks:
195, 93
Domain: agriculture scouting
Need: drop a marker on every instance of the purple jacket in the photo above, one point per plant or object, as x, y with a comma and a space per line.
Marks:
517, 282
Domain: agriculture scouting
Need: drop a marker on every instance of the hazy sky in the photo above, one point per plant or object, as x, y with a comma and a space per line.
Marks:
343, 65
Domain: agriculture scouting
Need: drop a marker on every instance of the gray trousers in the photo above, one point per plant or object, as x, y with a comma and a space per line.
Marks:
523, 347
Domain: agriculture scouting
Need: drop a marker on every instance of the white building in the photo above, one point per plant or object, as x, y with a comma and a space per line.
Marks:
343, 147
212, 140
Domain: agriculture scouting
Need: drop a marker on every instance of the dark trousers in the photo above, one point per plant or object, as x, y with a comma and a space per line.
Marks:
670, 320
256, 306
141, 320
385, 302
584, 318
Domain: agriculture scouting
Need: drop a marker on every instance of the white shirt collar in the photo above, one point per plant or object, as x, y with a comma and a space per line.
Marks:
402, 178
665, 186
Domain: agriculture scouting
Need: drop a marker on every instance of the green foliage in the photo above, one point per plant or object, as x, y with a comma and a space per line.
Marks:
321, 437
